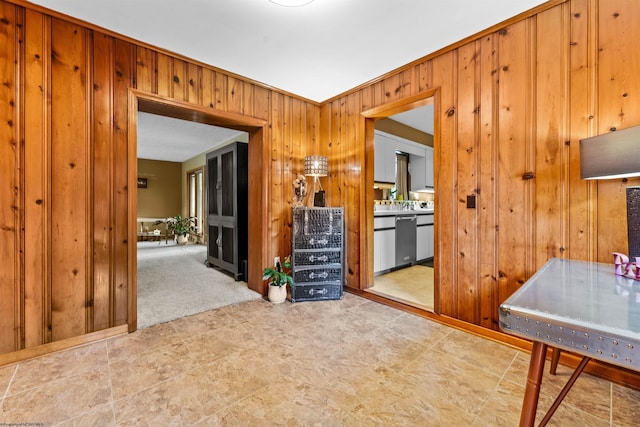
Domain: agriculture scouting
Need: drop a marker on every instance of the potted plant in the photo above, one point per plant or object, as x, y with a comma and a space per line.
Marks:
181, 226
278, 279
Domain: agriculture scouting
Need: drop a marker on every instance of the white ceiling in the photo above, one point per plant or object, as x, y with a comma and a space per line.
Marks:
175, 140
316, 51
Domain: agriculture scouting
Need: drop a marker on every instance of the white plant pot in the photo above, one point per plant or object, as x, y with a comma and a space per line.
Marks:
277, 294
182, 239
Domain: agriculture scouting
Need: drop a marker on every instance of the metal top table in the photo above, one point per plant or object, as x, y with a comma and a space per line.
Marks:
578, 306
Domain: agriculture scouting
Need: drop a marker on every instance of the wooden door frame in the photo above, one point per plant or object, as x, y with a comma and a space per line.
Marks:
369, 117
258, 151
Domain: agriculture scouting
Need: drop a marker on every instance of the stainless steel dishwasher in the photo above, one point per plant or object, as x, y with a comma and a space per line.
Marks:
406, 227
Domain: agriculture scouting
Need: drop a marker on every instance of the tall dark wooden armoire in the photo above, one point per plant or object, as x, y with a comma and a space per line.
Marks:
227, 209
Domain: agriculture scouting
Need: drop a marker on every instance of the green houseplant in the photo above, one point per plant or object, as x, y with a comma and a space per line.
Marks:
181, 226
278, 278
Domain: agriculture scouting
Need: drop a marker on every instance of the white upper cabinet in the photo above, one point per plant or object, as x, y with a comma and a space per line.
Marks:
385, 159
428, 168
386, 145
417, 170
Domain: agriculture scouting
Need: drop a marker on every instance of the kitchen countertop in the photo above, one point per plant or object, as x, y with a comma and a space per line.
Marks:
395, 212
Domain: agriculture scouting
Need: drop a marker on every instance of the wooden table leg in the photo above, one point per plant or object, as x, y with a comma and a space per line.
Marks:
534, 380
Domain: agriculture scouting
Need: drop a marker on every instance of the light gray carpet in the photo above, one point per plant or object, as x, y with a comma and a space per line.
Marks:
174, 281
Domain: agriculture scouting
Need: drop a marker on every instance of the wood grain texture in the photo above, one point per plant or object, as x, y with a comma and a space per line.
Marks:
582, 93
487, 184
124, 268
507, 103
102, 183
466, 180
69, 170
9, 180
37, 195
551, 165
618, 91
513, 155
444, 77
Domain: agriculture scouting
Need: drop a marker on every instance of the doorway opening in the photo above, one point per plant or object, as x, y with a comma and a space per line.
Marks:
402, 219
193, 193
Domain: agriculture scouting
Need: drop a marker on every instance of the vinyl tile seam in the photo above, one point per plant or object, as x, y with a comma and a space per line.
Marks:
611, 404
495, 389
6, 390
112, 403
230, 407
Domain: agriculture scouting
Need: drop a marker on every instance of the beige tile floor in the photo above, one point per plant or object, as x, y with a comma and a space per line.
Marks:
351, 362
412, 285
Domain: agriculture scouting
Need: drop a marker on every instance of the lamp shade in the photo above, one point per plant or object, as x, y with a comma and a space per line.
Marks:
316, 166
611, 155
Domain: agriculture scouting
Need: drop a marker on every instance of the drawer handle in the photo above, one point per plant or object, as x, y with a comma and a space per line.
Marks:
322, 258
321, 241
322, 275
318, 291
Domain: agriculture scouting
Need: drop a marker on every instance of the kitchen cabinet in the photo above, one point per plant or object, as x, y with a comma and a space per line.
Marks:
428, 162
384, 243
385, 146
424, 242
421, 170
424, 237
384, 169
417, 170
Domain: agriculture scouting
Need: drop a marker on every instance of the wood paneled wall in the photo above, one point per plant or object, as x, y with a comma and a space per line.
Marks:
513, 105
65, 160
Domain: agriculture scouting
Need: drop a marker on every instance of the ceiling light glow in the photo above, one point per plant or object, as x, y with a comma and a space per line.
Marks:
291, 3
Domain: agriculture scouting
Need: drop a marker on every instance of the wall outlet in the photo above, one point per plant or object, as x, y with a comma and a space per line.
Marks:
276, 262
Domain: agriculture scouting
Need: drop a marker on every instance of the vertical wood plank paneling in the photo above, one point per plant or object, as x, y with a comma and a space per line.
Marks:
551, 115
194, 84
513, 99
408, 86
220, 91
102, 185
277, 170
146, 70
355, 185
466, 159
444, 77
261, 101
248, 95
124, 67
392, 87
618, 95
179, 80
9, 181
424, 74
582, 95
37, 139
235, 95
165, 75
522, 127
68, 177
487, 201
367, 98
208, 84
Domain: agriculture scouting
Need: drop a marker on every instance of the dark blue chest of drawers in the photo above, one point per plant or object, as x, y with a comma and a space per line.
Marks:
317, 254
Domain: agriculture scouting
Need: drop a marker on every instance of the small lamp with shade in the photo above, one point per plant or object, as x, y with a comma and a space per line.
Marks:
316, 166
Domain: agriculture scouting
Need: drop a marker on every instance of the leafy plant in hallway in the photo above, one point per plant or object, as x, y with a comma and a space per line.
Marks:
181, 226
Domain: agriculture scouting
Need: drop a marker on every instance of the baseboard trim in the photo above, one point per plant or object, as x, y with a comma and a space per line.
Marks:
65, 344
